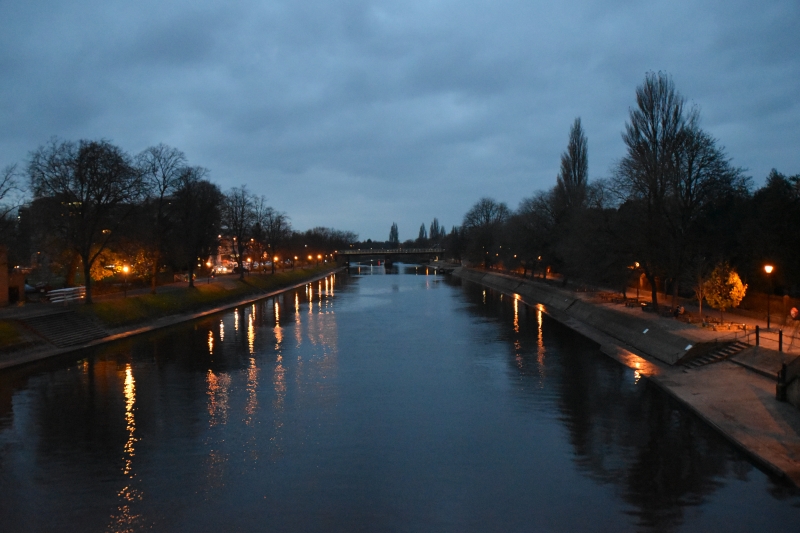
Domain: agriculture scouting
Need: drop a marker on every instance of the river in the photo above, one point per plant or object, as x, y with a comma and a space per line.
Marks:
367, 401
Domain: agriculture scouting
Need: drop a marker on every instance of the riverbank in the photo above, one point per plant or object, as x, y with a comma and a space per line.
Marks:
49, 330
737, 400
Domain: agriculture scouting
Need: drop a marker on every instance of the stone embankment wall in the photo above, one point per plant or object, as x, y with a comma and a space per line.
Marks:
638, 333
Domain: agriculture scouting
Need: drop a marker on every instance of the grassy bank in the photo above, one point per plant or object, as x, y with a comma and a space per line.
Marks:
138, 309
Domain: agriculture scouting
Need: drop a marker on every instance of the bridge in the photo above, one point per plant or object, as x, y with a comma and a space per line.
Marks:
387, 255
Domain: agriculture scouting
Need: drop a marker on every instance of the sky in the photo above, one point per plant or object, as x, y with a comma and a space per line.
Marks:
355, 114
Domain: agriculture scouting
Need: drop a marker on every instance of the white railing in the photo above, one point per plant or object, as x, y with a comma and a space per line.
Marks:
73, 294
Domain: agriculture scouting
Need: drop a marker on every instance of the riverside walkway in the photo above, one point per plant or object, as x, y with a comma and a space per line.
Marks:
735, 396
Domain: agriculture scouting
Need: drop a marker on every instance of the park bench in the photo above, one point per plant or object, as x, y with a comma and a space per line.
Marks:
65, 296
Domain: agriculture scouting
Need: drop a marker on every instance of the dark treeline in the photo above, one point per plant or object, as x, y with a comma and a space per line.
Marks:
434, 236
673, 209
94, 206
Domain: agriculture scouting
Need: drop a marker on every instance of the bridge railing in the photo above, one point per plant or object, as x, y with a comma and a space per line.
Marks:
378, 251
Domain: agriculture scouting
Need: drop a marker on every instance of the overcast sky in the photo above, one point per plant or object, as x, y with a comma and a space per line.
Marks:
355, 114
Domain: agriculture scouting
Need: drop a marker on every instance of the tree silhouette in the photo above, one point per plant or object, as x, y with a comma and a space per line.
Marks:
574, 175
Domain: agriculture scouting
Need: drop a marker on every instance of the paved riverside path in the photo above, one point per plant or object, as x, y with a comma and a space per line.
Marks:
739, 401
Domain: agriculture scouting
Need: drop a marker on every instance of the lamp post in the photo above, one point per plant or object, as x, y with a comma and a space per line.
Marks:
125, 271
208, 266
768, 269
319, 258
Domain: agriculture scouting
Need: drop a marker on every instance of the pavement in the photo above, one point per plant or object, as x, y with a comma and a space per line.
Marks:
735, 396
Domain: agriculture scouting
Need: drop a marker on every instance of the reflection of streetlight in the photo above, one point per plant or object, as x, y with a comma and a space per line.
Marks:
125, 270
768, 269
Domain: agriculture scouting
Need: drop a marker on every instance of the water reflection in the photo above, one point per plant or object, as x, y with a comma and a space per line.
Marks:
623, 430
218, 390
446, 410
125, 519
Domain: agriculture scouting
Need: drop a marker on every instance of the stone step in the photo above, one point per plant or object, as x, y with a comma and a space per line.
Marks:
720, 354
64, 329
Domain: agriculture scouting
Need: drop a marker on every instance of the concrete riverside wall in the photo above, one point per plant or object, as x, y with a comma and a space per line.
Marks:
638, 333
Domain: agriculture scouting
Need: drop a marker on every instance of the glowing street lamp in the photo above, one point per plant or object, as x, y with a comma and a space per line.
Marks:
125, 270
768, 269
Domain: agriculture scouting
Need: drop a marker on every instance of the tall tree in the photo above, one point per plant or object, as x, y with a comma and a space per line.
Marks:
653, 136
770, 232
482, 227
435, 232
394, 236
9, 201
422, 239
96, 187
277, 230
238, 218
161, 167
703, 178
198, 205
574, 175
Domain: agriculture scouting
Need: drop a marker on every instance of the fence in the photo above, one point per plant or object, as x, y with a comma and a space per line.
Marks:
73, 294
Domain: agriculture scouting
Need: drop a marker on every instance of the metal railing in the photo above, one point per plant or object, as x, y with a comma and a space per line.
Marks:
391, 251
72, 294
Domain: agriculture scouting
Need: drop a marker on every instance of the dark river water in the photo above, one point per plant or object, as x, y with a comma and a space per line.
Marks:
367, 402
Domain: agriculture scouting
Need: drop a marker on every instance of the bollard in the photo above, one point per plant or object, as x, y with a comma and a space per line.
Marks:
780, 340
757, 330
780, 387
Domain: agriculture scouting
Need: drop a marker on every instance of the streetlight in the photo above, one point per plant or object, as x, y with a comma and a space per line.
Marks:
125, 270
319, 258
768, 269
208, 265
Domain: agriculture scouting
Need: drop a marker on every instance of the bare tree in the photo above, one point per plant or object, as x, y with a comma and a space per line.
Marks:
277, 230
96, 187
198, 205
10, 196
161, 167
654, 134
482, 225
271, 229
238, 218
704, 176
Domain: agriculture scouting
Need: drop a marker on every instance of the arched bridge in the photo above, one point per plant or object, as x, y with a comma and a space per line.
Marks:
388, 255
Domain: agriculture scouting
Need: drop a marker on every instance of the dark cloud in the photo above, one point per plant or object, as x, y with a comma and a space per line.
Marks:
356, 114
